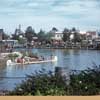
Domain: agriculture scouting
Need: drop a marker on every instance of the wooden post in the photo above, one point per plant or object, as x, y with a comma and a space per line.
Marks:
64, 73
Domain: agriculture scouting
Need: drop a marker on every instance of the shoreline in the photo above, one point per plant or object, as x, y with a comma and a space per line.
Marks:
67, 48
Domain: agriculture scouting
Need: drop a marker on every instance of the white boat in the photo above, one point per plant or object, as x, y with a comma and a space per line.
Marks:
54, 59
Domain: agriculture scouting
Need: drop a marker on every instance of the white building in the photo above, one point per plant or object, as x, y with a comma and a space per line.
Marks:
89, 34
10, 42
92, 34
82, 32
57, 36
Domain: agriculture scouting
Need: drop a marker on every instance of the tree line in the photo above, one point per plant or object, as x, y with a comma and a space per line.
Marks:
46, 36
69, 35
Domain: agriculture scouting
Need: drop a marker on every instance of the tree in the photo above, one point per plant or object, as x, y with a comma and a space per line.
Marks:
77, 36
15, 35
49, 36
41, 35
22, 40
29, 33
66, 35
54, 29
74, 29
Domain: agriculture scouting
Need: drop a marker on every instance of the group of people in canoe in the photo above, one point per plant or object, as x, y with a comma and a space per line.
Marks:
20, 57
32, 59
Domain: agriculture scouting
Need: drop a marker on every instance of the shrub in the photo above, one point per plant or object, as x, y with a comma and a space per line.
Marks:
41, 84
85, 83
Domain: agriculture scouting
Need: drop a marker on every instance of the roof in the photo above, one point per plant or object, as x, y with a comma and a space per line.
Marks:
9, 40
91, 32
58, 32
82, 32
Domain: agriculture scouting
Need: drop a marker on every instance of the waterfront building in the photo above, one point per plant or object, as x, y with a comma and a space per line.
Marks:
1, 33
57, 36
10, 43
82, 32
96, 43
2, 47
91, 35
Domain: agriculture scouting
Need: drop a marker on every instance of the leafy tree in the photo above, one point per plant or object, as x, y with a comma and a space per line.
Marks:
29, 33
49, 36
15, 35
77, 36
54, 29
22, 41
74, 29
66, 35
41, 35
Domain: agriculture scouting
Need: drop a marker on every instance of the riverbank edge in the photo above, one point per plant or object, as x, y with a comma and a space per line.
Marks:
74, 48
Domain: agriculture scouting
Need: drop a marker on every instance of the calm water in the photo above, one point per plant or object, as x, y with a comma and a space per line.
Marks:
72, 59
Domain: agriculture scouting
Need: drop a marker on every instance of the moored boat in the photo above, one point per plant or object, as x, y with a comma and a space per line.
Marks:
53, 59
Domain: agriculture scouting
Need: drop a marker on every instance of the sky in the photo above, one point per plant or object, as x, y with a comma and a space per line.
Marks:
45, 14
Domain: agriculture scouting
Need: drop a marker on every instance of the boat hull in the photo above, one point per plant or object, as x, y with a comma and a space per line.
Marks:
33, 62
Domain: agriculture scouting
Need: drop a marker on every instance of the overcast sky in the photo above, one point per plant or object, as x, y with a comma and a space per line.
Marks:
45, 14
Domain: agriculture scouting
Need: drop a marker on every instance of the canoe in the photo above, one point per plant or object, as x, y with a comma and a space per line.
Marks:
9, 62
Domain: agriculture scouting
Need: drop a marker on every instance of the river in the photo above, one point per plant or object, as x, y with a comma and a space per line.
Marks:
72, 59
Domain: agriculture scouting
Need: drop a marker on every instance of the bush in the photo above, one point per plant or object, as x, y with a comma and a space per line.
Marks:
41, 84
85, 83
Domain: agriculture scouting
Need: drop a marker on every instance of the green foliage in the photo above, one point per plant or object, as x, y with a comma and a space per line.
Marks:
22, 40
29, 33
66, 35
49, 36
87, 82
41, 35
44, 84
41, 84
12, 56
77, 37
54, 29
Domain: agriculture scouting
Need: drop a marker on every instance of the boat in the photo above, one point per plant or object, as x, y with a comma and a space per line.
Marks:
54, 59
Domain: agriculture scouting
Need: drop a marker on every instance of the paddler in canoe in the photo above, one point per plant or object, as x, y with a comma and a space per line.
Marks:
29, 59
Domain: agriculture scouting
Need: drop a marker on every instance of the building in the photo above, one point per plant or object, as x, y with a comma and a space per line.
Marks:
10, 43
82, 32
96, 42
57, 36
98, 32
1, 33
91, 35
